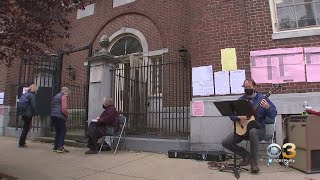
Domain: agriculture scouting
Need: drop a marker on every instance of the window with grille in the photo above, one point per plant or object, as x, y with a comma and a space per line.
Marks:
296, 14
126, 45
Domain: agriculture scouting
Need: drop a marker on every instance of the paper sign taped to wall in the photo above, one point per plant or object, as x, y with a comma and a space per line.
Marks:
229, 59
277, 65
236, 81
24, 90
197, 108
1, 95
202, 81
222, 83
312, 55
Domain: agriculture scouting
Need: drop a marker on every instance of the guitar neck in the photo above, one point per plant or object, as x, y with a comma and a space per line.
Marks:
256, 107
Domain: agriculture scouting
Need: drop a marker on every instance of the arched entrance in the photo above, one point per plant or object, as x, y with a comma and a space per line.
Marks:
130, 87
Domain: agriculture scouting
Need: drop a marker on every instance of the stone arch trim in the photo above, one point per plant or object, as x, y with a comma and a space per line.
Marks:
128, 12
132, 31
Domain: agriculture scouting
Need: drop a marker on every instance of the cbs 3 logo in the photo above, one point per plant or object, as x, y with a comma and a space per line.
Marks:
274, 150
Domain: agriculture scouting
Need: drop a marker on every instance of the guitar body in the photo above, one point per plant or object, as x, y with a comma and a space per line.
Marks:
242, 126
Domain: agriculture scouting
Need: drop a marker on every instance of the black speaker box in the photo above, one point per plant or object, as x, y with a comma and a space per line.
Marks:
217, 156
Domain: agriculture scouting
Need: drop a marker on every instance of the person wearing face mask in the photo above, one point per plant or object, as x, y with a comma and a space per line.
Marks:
255, 134
106, 123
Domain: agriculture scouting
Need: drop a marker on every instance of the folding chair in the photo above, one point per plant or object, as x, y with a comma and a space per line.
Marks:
122, 123
270, 136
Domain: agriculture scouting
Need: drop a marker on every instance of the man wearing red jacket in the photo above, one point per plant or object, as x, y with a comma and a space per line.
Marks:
106, 124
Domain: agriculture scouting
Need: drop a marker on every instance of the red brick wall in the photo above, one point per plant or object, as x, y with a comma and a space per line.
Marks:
11, 83
203, 26
218, 24
3, 77
163, 23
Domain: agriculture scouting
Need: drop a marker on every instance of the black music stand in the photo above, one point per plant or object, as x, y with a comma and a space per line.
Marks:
235, 108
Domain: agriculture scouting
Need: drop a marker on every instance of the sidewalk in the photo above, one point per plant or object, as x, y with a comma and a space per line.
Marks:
38, 162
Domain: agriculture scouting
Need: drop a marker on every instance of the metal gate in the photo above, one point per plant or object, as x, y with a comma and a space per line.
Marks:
50, 74
43, 72
154, 95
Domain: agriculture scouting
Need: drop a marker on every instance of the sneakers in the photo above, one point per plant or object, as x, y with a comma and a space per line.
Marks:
65, 150
91, 151
22, 146
60, 150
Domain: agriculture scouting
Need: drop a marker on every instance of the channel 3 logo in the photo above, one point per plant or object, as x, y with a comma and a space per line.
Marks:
288, 150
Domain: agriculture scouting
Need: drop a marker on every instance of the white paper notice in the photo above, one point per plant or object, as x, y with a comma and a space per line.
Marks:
221, 82
24, 90
202, 81
1, 101
236, 81
1, 95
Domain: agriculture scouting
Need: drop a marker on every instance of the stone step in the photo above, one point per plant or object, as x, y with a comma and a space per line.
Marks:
69, 135
67, 142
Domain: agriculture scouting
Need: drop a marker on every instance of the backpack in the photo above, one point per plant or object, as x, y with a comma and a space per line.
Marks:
23, 103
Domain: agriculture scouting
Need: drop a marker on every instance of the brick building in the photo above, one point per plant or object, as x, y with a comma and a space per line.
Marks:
154, 31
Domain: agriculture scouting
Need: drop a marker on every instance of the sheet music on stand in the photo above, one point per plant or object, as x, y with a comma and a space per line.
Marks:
235, 108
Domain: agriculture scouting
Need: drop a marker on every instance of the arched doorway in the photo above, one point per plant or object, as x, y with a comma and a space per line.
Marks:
130, 87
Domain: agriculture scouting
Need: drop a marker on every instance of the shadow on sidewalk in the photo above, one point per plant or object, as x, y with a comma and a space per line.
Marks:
6, 177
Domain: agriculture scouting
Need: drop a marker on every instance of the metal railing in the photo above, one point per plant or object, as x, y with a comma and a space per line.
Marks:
154, 96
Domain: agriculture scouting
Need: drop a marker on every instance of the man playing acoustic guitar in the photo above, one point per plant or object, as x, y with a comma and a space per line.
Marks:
254, 135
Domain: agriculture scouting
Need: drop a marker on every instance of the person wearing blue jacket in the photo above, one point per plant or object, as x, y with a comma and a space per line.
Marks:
28, 113
267, 108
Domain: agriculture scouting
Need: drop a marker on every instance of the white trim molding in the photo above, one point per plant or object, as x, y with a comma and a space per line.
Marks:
135, 32
156, 52
296, 33
117, 3
87, 11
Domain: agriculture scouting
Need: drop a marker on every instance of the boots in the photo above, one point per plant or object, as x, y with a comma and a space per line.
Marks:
245, 162
254, 167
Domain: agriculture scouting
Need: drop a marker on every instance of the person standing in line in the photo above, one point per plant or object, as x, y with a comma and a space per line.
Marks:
59, 116
27, 109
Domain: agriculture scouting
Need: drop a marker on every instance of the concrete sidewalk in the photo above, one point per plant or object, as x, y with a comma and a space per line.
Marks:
38, 162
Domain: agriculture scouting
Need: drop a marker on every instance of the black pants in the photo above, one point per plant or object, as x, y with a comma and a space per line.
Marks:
26, 128
94, 134
61, 130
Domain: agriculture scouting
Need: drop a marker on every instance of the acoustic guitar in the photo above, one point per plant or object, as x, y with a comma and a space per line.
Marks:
244, 126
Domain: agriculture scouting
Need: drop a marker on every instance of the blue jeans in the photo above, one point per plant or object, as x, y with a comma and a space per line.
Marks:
61, 130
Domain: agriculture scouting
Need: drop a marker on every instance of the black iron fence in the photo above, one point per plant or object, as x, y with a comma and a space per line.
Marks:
77, 103
154, 96
43, 73
50, 74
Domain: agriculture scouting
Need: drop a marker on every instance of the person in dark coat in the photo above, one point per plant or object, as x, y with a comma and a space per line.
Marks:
59, 116
106, 124
28, 114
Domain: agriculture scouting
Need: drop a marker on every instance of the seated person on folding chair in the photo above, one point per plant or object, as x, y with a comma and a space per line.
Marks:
106, 124
255, 134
